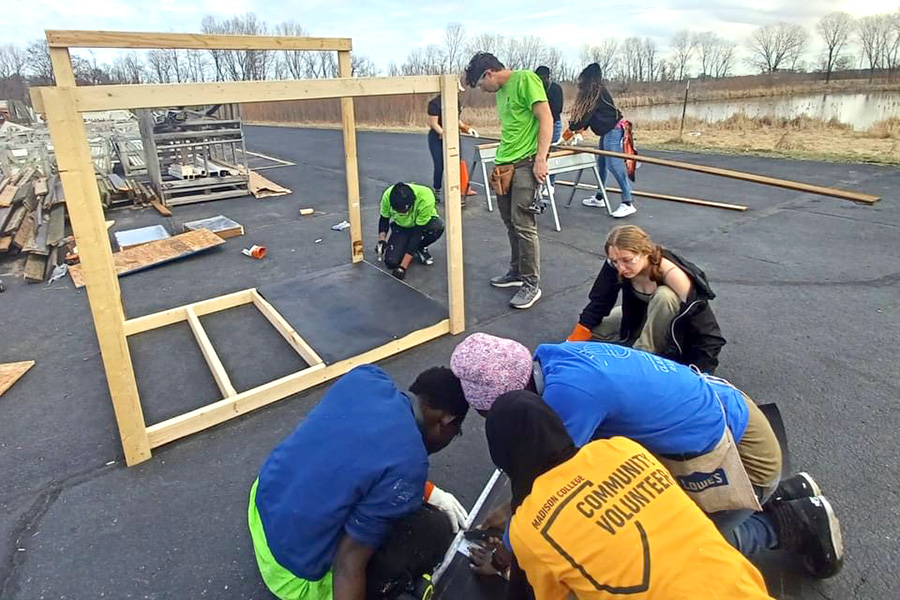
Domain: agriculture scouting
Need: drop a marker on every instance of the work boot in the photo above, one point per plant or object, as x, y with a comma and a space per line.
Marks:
527, 295
801, 485
809, 527
424, 256
509, 280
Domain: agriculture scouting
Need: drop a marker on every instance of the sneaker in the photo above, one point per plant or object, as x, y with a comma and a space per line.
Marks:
801, 485
809, 527
424, 256
438, 196
526, 296
624, 210
594, 202
509, 280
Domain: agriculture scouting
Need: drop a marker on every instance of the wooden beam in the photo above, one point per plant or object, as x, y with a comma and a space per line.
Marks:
782, 183
209, 354
348, 122
37, 100
453, 203
286, 331
656, 196
61, 62
104, 296
223, 410
112, 97
190, 41
179, 313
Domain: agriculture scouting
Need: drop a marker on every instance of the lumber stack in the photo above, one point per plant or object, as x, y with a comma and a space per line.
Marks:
33, 221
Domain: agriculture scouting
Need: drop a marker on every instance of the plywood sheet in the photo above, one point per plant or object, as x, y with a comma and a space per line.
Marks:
7, 195
10, 373
129, 238
261, 187
156, 253
347, 310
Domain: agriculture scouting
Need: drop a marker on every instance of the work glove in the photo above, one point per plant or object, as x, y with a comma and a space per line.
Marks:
379, 249
448, 503
580, 333
472, 132
576, 139
399, 273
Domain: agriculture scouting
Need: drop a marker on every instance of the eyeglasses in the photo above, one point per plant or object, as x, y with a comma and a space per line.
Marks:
623, 262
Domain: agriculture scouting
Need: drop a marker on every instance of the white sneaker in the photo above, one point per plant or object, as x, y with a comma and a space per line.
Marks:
594, 202
624, 210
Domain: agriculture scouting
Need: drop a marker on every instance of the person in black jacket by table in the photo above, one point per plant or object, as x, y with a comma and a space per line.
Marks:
665, 302
555, 98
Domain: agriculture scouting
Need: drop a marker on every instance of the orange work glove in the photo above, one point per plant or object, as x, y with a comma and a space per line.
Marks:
567, 134
579, 334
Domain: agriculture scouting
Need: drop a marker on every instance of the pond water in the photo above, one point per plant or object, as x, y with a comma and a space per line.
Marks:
860, 111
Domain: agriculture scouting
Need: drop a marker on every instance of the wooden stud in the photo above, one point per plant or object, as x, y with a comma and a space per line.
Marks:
348, 121
112, 97
209, 354
196, 41
62, 67
86, 216
684, 199
223, 410
782, 183
452, 202
286, 331
179, 313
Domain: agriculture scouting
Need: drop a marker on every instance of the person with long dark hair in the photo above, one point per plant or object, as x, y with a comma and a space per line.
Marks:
435, 143
603, 520
594, 107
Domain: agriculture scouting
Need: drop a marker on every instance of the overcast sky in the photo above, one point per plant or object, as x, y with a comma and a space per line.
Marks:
386, 30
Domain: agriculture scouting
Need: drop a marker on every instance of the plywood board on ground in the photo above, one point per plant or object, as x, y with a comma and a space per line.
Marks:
156, 253
220, 225
261, 187
10, 373
7, 195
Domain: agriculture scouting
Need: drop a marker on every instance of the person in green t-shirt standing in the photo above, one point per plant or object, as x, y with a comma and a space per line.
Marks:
526, 128
409, 215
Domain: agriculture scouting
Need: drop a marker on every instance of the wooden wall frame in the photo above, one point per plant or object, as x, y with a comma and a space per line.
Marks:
63, 105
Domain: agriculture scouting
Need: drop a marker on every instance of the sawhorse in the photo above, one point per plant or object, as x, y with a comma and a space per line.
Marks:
558, 162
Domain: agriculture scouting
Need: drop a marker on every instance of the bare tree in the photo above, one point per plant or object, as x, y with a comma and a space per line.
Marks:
13, 61
723, 57
835, 29
606, 55
774, 46
293, 62
158, 62
487, 42
39, 62
872, 34
240, 65
362, 66
682, 48
454, 41
195, 65
651, 59
633, 58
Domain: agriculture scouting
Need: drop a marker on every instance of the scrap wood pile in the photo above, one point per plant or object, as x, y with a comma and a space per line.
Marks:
33, 221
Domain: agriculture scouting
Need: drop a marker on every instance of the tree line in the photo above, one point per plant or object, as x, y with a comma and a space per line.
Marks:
871, 42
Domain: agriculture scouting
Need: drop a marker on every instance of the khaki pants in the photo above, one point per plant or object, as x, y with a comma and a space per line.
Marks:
521, 225
759, 449
663, 307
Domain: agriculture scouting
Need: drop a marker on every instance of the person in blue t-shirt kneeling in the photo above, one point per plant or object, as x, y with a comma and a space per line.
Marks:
342, 508
712, 437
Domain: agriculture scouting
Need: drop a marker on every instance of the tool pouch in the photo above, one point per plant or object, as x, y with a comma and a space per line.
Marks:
501, 179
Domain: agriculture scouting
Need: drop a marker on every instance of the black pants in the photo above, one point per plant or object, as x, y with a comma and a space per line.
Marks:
407, 241
416, 546
436, 146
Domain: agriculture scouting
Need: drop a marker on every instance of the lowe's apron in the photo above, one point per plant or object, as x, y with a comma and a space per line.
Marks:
716, 480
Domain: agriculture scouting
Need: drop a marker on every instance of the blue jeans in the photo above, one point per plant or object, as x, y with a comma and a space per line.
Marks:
612, 142
557, 131
436, 147
749, 532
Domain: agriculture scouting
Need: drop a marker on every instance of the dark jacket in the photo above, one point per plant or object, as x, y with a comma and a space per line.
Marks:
555, 98
602, 119
694, 336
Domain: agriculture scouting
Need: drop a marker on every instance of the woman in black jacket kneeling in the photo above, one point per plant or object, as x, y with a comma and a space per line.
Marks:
665, 302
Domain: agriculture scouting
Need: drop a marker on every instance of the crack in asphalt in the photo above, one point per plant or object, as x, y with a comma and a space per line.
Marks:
26, 525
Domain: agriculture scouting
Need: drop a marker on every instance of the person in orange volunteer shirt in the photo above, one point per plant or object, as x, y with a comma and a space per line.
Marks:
604, 520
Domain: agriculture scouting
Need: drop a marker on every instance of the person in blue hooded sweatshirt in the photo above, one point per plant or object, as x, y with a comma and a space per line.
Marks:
342, 507
714, 439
